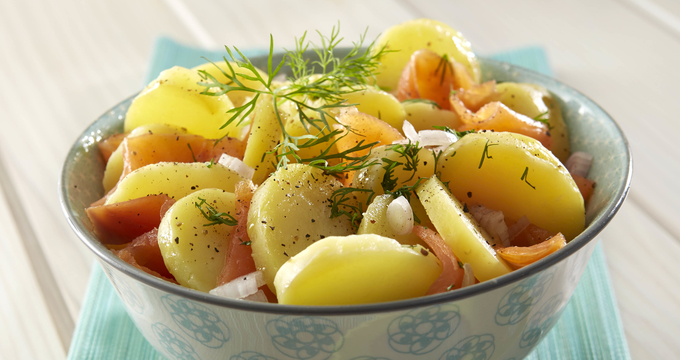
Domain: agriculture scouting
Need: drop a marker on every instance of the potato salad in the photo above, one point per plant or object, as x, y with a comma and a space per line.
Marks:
343, 175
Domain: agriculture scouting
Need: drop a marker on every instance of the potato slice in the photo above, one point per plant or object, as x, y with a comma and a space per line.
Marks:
289, 212
193, 253
514, 174
419, 34
533, 100
379, 104
468, 241
238, 98
375, 220
423, 116
175, 98
114, 167
174, 179
356, 269
265, 134
371, 177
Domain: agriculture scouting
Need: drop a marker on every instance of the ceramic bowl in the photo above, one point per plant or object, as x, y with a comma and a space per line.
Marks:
498, 319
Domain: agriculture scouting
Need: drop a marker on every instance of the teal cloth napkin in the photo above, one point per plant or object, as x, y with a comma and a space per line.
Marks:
590, 327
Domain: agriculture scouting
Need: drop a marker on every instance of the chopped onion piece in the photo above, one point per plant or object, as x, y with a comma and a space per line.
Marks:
400, 216
493, 222
436, 138
469, 277
241, 287
432, 139
579, 163
237, 165
410, 132
259, 296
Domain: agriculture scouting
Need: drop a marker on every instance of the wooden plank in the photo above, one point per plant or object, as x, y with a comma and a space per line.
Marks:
27, 328
662, 13
642, 260
63, 65
249, 23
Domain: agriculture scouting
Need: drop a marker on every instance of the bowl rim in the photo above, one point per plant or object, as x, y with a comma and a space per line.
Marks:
589, 234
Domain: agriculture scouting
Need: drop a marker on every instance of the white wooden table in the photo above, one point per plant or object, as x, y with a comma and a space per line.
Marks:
64, 63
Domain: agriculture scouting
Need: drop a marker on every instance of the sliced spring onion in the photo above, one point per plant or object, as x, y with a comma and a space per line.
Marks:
259, 296
579, 163
469, 277
493, 222
400, 216
410, 132
237, 165
241, 287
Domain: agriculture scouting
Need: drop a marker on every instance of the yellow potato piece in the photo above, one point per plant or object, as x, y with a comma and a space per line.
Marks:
265, 134
371, 177
176, 180
460, 231
356, 269
423, 116
533, 100
114, 167
379, 104
193, 253
175, 98
238, 98
516, 175
295, 128
289, 212
375, 220
417, 34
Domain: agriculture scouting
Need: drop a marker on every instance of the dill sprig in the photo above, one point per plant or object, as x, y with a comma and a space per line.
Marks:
544, 117
348, 161
344, 202
213, 216
308, 92
443, 65
410, 153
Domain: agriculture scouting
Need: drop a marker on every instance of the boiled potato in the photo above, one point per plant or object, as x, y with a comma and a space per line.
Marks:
193, 253
371, 177
265, 134
423, 116
421, 34
174, 179
289, 212
294, 127
468, 241
356, 269
175, 98
533, 100
379, 104
375, 220
238, 98
514, 174
114, 167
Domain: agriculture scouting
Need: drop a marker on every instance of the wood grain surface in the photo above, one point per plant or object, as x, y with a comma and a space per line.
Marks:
64, 63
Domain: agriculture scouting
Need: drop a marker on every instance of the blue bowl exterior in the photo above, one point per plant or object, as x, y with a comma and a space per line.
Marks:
498, 319
507, 322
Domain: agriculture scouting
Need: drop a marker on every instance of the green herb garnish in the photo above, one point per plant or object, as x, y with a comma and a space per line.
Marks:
213, 216
318, 93
544, 118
